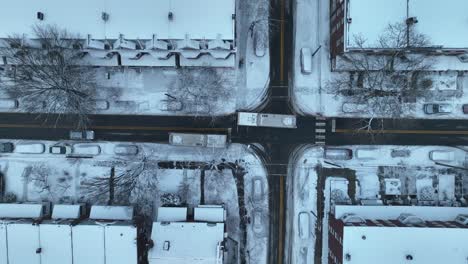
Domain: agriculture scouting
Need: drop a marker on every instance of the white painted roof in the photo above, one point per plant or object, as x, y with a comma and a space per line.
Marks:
88, 244
3, 243
195, 243
138, 19
444, 22
14, 210
390, 245
121, 244
393, 212
23, 241
102, 212
66, 211
172, 214
56, 244
209, 214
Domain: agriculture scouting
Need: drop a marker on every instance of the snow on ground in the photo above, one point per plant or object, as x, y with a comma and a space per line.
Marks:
310, 96
143, 90
61, 179
361, 180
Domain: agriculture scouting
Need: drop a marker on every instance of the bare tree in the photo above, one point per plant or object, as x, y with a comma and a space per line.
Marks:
388, 81
48, 77
133, 183
200, 89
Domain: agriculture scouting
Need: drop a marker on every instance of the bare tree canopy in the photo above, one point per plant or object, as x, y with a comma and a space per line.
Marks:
47, 76
200, 89
389, 80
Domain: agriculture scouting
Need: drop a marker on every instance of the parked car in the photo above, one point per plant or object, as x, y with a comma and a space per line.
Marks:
442, 155
465, 108
126, 149
258, 227
257, 189
351, 108
101, 104
338, 154
260, 39
365, 153
304, 225
170, 105
432, 109
30, 148
86, 149
64, 150
82, 135
6, 147
6, 103
306, 60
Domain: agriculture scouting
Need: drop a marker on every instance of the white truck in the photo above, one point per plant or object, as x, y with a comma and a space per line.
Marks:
198, 140
266, 120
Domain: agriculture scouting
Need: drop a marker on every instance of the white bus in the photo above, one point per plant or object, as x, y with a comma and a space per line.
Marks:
266, 120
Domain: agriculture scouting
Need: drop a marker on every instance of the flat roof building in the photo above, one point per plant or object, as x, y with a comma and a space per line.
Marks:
180, 241
398, 234
65, 238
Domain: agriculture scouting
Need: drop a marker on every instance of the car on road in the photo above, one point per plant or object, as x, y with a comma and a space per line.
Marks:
306, 60
82, 135
63, 149
6, 147
338, 154
170, 105
432, 109
442, 155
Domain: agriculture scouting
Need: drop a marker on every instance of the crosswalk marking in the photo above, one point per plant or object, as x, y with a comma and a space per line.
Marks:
320, 130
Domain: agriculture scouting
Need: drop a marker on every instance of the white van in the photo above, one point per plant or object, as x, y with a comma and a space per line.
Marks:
30, 148
306, 60
8, 103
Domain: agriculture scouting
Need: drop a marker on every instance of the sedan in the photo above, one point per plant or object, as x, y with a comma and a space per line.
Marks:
6, 147
431, 109
64, 150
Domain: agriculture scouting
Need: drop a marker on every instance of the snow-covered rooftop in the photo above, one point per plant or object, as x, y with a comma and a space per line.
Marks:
102, 212
444, 22
139, 19
214, 214
428, 213
172, 214
15, 210
389, 245
182, 242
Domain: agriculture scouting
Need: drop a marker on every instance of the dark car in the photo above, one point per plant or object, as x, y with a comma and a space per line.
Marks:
465, 108
6, 147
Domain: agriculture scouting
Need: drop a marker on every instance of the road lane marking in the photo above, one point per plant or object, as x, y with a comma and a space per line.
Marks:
282, 41
118, 127
399, 131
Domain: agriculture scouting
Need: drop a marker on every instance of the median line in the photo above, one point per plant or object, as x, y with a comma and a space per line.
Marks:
145, 128
400, 131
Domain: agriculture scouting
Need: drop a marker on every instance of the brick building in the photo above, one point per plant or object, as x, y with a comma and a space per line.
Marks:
398, 234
